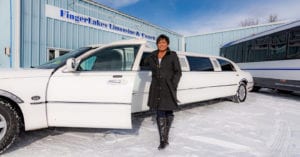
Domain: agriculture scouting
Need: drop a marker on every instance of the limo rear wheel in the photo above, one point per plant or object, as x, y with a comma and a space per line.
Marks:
241, 93
9, 125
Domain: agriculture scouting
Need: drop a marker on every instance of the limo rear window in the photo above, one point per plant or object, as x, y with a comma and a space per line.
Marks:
200, 64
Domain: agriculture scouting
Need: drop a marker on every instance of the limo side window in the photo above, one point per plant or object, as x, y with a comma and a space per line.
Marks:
200, 64
225, 65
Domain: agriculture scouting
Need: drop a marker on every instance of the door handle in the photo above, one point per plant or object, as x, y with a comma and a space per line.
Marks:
114, 81
117, 76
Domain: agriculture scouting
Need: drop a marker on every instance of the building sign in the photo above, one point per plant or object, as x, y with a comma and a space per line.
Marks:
84, 20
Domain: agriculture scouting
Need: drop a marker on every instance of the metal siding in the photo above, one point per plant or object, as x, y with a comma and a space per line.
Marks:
56, 32
69, 35
211, 43
62, 34
85, 11
57, 3
4, 32
43, 34
26, 34
75, 36
50, 34
35, 25
33, 33
39, 33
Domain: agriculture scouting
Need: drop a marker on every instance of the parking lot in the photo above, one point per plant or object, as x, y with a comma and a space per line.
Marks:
267, 124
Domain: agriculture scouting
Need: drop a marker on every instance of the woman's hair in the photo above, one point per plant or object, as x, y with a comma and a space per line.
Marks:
162, 37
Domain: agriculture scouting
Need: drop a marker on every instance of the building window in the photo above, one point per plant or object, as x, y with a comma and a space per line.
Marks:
54, 53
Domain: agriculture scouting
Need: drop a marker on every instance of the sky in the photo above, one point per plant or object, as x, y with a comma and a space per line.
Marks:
192, 17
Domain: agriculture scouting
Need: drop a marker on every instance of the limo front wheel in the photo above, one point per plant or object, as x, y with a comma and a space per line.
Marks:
9, 125
241, 93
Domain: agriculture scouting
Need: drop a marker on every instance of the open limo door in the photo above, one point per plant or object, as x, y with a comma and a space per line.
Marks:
97, 93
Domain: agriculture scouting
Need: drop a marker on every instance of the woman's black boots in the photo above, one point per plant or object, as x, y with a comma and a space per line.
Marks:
164, 125
169, 124
162, 129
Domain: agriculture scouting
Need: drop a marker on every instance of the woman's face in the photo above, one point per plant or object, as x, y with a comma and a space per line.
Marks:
162, 45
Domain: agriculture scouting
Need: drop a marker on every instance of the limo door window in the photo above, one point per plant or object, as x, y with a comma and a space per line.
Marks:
98, 95
225, 65
110, 59
230, 77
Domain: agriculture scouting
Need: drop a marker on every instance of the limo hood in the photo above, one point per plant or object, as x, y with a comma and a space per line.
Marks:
24, 73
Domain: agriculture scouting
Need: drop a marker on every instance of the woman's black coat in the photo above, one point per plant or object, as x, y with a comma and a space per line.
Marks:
165, 79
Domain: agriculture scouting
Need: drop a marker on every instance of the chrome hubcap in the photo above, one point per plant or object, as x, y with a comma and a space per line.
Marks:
242, 92
3, 126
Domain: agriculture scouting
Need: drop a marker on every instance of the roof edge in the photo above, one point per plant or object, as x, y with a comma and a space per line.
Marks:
241, 28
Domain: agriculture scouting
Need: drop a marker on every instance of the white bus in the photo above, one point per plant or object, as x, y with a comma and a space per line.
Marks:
272, 57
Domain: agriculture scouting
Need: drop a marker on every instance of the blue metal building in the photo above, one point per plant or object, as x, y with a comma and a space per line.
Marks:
34, 31
211, 43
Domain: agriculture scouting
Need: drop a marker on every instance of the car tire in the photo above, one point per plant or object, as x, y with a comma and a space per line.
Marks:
9, 125
241, 93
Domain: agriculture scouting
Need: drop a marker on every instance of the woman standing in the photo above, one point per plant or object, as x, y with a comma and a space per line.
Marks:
166, 73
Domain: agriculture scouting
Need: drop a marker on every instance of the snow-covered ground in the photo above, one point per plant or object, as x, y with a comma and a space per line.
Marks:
266, 125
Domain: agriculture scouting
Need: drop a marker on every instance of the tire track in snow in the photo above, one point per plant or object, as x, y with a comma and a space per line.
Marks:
280, 143
220, 143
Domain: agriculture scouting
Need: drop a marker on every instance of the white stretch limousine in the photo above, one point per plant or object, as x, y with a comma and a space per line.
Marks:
100, 86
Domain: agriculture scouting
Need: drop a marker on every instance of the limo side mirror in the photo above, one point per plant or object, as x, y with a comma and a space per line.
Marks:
71, 65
